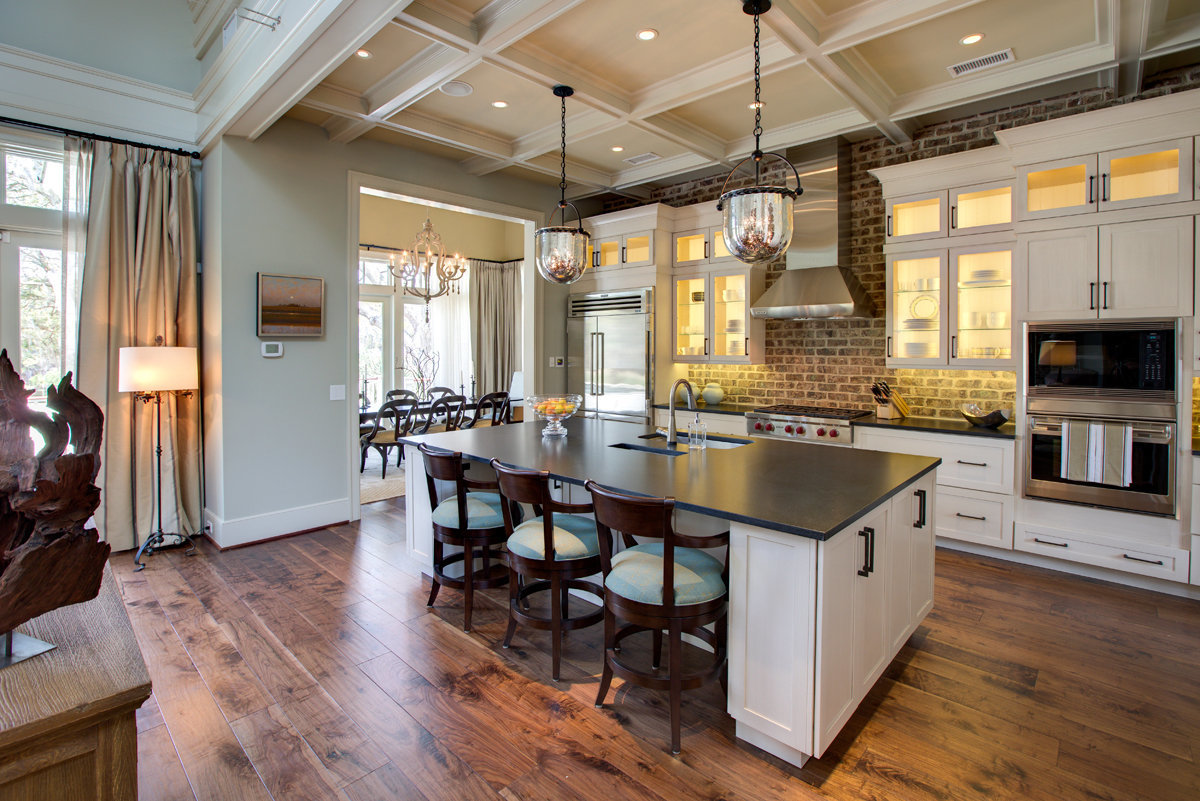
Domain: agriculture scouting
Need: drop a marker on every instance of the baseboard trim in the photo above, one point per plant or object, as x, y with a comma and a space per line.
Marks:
236, 532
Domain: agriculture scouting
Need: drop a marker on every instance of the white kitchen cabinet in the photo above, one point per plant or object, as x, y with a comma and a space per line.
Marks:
625, 250
731, 425
711, 311
971, 516
912, 217
916, 309
1134, 269
1096, 549
1114, 179
981, 208
699, 246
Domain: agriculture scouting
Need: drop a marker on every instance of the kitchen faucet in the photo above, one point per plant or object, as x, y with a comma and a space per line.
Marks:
672, 432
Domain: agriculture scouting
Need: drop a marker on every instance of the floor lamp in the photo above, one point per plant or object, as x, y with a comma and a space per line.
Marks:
148, 373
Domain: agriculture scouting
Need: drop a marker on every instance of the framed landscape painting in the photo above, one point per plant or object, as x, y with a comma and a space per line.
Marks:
290, 306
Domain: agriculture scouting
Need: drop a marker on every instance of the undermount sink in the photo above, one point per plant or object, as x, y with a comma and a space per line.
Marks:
712, 440
630, 446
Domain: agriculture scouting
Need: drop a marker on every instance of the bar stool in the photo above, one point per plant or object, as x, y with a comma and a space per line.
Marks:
469, 519
634, 581
557, 548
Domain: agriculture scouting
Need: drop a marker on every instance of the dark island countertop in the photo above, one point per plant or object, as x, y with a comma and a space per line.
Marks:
809, 490
938, 425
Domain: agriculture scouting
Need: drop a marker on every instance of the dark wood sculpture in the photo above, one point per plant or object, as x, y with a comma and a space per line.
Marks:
47, 558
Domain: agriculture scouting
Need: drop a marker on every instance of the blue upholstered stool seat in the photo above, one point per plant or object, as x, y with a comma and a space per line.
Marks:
574, 538
637, 574
483, 511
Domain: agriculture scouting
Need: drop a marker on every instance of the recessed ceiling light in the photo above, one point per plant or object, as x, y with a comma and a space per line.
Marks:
499, 104
617, 148
362, 52
456, 88
971, 38
756, 105
646, 34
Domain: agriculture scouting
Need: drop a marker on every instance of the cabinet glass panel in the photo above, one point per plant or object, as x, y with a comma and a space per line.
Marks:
729, 315
690, 317
637, 249
1057, 189
689, 247
917, 305
610, 253
986, 207
917, 217
1147, 175
984, 305
719, 249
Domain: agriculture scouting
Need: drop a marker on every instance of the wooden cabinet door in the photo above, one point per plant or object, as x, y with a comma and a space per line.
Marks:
1057, 188
981, 208
1146, 175
1146, 268
869, 627
917, 315
1057, 271
916, 217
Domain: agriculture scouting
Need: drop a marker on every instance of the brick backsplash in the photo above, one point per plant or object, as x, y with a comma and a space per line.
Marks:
835, 361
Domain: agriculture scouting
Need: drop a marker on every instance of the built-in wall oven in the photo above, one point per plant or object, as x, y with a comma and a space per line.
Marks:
1101, 413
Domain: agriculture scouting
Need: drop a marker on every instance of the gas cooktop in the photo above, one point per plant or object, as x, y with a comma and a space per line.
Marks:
831, 412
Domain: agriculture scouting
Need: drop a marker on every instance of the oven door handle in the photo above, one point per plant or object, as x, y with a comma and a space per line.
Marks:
1151, 434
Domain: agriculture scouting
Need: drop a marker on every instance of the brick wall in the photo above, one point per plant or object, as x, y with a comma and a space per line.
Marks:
836, 361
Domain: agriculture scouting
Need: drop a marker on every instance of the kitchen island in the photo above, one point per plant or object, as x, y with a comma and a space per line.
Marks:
831, 555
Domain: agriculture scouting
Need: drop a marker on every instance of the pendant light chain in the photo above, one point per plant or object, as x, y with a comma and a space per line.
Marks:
562, 183
757, 106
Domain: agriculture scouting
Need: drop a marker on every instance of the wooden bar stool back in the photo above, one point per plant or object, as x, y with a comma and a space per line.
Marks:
696, 594
470, 517
557, 549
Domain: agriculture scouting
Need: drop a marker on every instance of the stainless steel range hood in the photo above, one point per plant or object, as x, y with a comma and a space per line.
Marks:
814, 285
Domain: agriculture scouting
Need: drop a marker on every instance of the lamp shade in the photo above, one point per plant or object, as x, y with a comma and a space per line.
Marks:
561, 253
1056, 353
157, 369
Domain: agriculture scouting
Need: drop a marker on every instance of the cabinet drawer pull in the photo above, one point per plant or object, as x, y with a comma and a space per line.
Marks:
1092, 295
973, 464
1091, 189
622, 254
1055, 544
969, 517
1104, 187
889, 225
865, 570
920, 508
1104, 304
889, 346
953, 217
705, 248
1158, 562
954, 347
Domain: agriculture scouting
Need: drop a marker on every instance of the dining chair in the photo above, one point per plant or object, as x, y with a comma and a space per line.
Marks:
671, 585
445, 414
554, 552
392, 421
469, 517
490, 410
401, 393
440, 392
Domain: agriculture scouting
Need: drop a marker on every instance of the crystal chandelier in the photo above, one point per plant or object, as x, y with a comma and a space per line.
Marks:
560, 251
757, 221
425, 271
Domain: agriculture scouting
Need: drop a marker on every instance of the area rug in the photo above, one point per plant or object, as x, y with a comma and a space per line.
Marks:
372, 488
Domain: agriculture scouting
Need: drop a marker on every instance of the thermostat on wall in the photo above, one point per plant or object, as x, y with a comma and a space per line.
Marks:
272, 350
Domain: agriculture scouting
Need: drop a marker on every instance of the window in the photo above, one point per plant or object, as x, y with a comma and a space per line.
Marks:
36, 293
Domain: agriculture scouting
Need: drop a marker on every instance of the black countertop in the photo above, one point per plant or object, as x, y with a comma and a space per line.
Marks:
938, 425
810, 490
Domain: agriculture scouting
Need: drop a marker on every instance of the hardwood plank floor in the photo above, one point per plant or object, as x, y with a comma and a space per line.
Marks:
310, 668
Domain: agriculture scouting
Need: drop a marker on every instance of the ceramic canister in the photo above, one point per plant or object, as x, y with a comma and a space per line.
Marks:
712, 393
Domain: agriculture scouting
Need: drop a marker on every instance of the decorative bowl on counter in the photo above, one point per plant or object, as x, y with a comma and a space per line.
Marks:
976, 416
553, 409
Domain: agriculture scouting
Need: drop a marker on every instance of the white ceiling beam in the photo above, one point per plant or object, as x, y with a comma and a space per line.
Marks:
813, 130
1131, 20
683, 133
794, 29
866, 21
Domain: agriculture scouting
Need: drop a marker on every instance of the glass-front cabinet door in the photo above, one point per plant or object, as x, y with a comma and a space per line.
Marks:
607, 252
916, 217
981, 208
915, 309
691, 247
981, 280
731, 323
637, 250
1158, 173
1057, 188
691, 319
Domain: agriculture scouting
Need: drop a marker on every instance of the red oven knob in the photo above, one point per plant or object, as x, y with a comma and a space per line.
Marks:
787, 429
799, 429
833, 432
758, 426
820, 432
770, 427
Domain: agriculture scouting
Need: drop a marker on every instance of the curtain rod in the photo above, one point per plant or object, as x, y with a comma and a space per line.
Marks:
70, 132
397, 250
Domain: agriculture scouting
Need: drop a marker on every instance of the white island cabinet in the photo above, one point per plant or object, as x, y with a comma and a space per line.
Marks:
814, 624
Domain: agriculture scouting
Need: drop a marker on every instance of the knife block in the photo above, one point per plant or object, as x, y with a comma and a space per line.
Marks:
887, 411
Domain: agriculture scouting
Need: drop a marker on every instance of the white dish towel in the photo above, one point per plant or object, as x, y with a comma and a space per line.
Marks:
1097, 453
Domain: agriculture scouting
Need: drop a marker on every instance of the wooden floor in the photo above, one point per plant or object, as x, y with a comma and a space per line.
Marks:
309, 668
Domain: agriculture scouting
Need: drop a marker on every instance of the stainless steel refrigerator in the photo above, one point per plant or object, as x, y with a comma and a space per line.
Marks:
610, 353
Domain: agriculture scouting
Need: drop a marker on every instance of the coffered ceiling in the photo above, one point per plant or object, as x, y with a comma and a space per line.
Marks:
678, 104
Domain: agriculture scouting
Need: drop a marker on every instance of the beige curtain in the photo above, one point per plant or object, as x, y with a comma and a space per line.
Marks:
495, 322
139, 283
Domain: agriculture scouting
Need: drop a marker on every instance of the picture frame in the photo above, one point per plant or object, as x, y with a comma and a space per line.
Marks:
290, 306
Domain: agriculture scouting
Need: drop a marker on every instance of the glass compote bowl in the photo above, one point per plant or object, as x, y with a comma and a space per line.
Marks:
554, 409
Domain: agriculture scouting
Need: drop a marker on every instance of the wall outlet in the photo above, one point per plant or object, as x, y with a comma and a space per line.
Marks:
557, 361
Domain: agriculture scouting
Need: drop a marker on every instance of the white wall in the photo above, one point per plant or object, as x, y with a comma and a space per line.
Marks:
278, 450
146, 39
395, 223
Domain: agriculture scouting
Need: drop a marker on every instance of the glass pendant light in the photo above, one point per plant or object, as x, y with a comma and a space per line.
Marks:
757, 220
560, 251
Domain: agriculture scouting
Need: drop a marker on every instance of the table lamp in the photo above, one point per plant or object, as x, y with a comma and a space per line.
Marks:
1058, 353
148, 373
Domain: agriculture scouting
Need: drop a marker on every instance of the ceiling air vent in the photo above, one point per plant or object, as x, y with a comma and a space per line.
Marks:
644, 158
982, 63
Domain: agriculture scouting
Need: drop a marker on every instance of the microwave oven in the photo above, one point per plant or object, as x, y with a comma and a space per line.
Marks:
1103, 360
